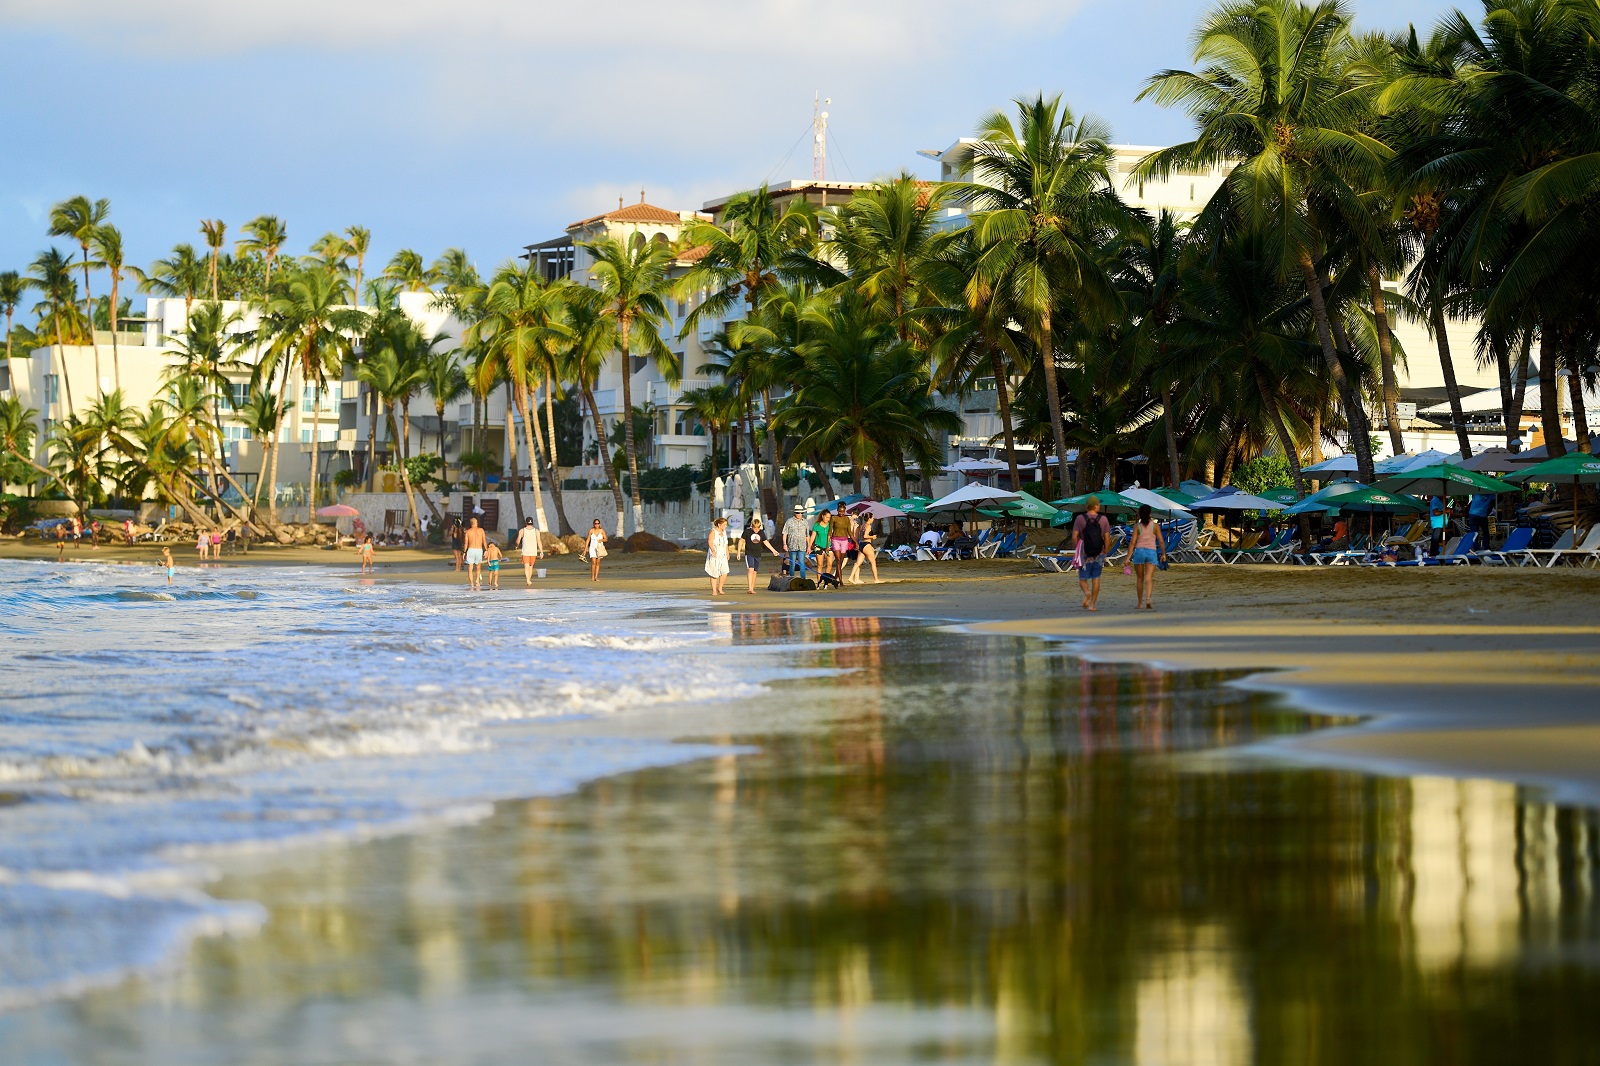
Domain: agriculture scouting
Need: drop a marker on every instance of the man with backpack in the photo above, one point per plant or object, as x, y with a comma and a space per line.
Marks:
1091, 535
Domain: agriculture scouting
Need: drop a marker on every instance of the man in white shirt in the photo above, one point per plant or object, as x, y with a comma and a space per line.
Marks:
528, 545
932, 538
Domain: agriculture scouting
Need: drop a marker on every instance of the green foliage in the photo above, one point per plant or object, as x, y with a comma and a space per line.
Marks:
665, 483
1262, 473
344, 479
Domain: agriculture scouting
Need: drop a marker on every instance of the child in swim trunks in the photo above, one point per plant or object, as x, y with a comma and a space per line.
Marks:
166, 561
491, 559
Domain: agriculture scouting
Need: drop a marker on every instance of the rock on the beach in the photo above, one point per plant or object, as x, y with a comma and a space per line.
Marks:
649, 542
573, 543
552, 544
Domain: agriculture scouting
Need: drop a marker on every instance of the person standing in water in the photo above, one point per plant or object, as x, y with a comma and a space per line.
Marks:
366, 552
595, 549
1149, 551
492, 557
717, 555
166, 561
474, 541
528, 546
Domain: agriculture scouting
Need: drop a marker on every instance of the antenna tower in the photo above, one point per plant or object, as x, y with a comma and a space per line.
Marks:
819, 137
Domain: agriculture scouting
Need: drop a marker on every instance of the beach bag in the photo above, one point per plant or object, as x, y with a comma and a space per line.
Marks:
1077, 556
780, 583
601, 552
1161, 563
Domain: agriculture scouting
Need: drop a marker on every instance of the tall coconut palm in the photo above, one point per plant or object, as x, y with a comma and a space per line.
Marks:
634, 286
594, 338
305, 329
407, 271
395, 370
107, 241
264, 236
446, 383
889, 241
78, 218
756, 247
19, 426
51, 274
214, 230
262, 415
12, 288
522, 329
1277, 93
358, 239
716, 407
1044, 204
182, 274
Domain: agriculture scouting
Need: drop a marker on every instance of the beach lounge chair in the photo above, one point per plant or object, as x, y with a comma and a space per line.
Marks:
1353, 551
1228, 555
1548, 556
1514, 552
1458, 552
1585, 553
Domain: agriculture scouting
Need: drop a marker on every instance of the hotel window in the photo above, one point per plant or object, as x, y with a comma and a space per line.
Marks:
238, 394
329, 397
52, 388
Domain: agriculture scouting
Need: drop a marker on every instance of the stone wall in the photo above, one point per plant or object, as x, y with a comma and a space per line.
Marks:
686, 522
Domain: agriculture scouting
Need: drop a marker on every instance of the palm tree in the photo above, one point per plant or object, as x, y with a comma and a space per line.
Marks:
107, 242
756, 247
1045, 205
862, 392
78, 218
594, 338
395, 370
407, 272
18, 427
523, 327
304, 328
717, 408
890, 243
261, 415
52, 276
633, 290
12, 287
357, 239
182, 274
1278, 93
264, 236
214, 230
446, 383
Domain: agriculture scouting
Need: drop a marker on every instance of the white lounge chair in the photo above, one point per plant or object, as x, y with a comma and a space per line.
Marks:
1547, 557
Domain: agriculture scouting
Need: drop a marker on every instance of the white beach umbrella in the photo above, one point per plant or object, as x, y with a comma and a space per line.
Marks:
1234, 500
971, 498
975, 467
1158, 504
1339, 464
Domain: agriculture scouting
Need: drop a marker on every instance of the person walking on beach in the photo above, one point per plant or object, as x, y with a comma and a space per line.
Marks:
366, 552
61, 542
491, 563
1091, 534
474, 541
796, 534
820, 530
865, 536
1149, 550
595, 549
717, 555
755, 538
166, 561
528, 547
457, 542
841, 541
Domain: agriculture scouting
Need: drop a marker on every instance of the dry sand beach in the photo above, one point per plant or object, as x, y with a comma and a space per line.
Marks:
1464, 671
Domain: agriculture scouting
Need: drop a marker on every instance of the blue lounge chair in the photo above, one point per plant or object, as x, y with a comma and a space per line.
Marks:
1514, 552
1457, 552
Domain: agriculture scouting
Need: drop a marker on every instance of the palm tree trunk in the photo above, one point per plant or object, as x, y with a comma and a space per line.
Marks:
1580, 417
1316, 430
563, 526
1502, 366
827, 482
1549, 393
1354, 414
511, 454
1003, 399
374, 412
405, 436
530, 421
1451, 390
405, 473
116, 359
1170, 418
261, 477
605, 453
88, 302
1052, 396
627, 431
1520, 388
439, 410
880, 481
61, 359
1391, 388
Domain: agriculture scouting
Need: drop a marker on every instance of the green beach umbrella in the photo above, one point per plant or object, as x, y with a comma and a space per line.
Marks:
1325, 499
1574, 468
1110, 503
1285, 496
1375, 501
1182, 499
915, 506
1028, 507
1443, 479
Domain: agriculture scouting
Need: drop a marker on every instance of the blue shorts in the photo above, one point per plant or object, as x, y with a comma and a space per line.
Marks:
1091, 569
1145, 557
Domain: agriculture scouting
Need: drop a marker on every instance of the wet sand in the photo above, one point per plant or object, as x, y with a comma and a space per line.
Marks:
1488, 672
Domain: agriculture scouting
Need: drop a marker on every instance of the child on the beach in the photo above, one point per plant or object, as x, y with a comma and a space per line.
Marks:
491, 558
366, 552
166, 561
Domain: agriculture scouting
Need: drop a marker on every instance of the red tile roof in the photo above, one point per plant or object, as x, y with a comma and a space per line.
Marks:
640, 212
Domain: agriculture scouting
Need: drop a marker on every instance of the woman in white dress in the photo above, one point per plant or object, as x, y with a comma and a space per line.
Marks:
717, 555
595, 549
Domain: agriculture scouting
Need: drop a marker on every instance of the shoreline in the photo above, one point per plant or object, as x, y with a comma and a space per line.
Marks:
1462, 672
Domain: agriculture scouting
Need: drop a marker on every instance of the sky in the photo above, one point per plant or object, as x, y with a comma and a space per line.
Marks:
491, 124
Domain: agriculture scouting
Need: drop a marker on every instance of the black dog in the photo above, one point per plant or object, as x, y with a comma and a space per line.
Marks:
828, 581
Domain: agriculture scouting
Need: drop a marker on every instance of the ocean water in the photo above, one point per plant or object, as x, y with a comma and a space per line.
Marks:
148, 731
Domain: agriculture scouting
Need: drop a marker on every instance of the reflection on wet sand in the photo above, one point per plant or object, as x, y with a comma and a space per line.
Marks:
955, 849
